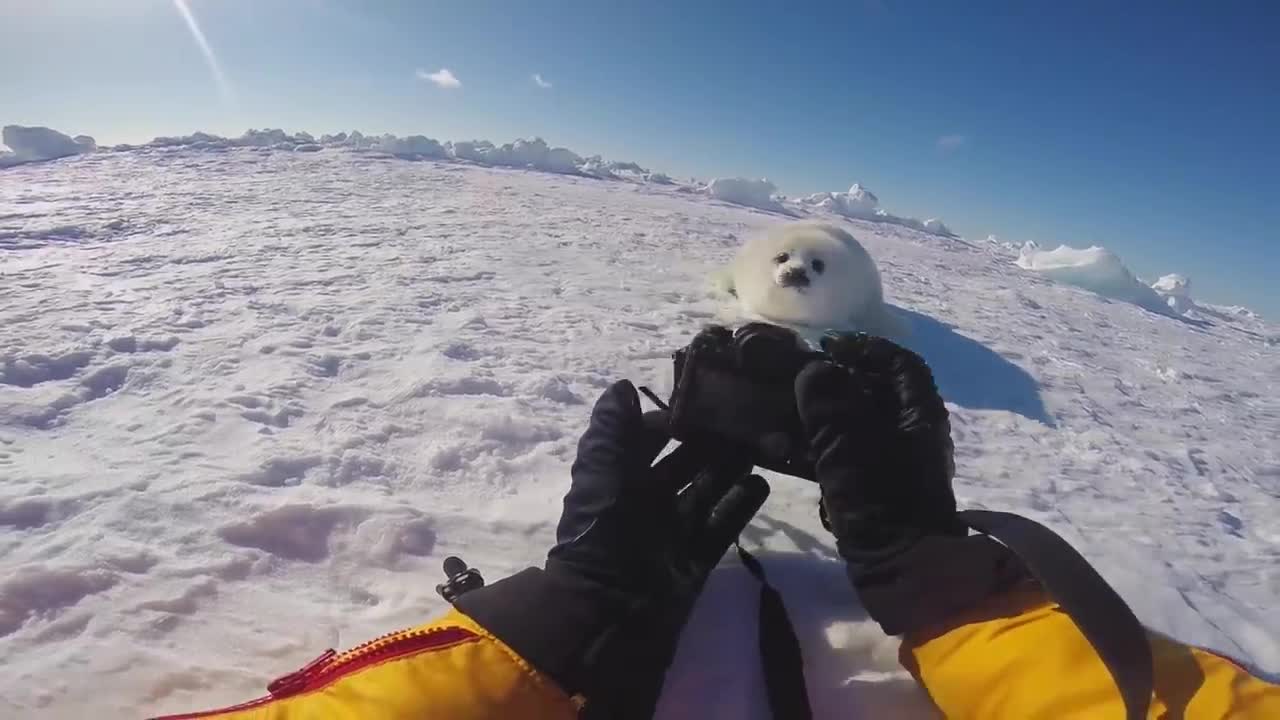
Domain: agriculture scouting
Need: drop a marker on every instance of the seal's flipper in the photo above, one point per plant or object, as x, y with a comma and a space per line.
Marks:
722, 282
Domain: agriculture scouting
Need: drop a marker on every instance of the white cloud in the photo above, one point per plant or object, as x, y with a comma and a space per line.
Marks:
442, 77
949, 143
537, 80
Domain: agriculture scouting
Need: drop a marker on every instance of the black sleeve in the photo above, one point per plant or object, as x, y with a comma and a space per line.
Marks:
552, 619
933, 580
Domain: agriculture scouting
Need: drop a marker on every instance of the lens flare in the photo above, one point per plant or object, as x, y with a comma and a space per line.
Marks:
220, 78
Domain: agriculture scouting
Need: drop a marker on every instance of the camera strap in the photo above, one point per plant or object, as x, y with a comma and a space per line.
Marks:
780, 656
1102, 616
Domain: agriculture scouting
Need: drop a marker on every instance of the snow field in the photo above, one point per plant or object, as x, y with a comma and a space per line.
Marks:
250, 399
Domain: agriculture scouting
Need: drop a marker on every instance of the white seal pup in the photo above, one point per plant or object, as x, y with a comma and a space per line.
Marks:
810, 277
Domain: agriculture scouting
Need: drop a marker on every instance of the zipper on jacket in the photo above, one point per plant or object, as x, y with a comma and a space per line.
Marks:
332, 665
288, 684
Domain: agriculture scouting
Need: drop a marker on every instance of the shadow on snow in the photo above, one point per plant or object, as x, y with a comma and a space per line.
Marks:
972, 375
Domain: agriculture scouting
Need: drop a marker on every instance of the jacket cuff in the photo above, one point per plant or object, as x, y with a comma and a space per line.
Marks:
935, 579
551, 619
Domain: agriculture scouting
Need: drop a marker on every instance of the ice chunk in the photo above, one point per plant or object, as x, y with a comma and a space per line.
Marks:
195, 138
523, 153
935, 226
561, 160
264, 138
474, 150
595, 166
358, 140
1176, 291
411, 146
858, 202
744, 191
1093, 268
863, 204
34, 144
534, 154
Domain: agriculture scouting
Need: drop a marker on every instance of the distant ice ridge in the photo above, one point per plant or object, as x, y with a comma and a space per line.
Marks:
533, 154
1100, 270
39, 143
862, 204
34, 144
859, 202
523, 153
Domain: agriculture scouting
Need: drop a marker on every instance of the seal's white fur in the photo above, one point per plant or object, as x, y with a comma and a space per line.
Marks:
845, 295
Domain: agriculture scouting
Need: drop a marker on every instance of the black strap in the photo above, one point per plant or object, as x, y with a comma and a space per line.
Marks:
1103, 617
1101, 614
779, 650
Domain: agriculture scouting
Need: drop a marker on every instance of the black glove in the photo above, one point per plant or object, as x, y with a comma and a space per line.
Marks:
880, 439
634, 547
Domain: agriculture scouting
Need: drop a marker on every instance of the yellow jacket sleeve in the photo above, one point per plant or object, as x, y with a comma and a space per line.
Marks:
1022, 658
451, 669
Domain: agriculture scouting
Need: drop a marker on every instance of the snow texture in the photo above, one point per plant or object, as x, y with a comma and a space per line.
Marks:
250, 399
35, 144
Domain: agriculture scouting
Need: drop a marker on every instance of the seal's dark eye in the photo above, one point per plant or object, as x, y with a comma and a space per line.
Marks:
818, 266
781, 258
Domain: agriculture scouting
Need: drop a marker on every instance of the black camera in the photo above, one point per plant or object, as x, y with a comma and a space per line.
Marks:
737, 389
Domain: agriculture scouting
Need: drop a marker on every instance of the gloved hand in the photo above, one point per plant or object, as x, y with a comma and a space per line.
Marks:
880, 439
634, 546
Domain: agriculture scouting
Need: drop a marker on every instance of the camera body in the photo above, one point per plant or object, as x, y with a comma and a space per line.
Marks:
736, 389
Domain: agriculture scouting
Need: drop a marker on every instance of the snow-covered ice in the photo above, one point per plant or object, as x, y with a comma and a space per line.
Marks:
862, 204
35, 144
1176, 291
937, 227
533, 154
1092, 268
250, 399
858, 202
745, 191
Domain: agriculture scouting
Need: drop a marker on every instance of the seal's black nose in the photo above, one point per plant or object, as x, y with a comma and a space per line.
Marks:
794, 277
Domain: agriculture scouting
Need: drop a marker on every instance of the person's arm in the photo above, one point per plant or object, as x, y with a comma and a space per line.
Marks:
591, 634
451, 669
1017, 655
979, 634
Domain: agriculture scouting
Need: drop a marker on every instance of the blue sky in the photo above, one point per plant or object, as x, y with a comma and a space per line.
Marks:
1152, 129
